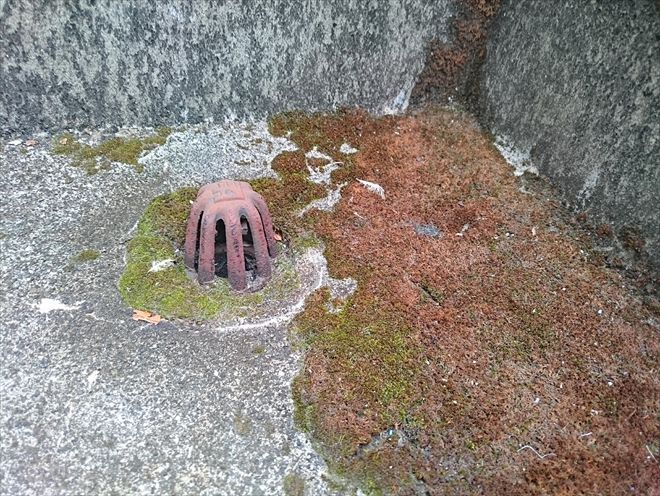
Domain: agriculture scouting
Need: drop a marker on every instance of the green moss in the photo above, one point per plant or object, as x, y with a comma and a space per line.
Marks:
166, 215
293, 485
86, 256
302, 412
82, 257
305, 241
285, 197
242, 423
369, 347
99, 157
170, 292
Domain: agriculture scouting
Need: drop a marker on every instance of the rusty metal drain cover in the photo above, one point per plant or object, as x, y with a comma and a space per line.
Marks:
229, 230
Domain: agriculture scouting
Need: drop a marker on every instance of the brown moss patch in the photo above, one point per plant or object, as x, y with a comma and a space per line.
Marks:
459, 349
451, 70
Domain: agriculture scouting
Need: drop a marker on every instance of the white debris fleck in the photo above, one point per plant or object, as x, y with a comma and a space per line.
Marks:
49, 304
373, 187
91, 379
347, 149
162, 265
15, 142
464, 228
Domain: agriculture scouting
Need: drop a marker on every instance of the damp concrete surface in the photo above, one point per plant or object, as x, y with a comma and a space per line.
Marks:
93, 402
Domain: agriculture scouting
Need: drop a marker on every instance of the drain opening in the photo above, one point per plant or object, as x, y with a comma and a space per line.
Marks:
220, 255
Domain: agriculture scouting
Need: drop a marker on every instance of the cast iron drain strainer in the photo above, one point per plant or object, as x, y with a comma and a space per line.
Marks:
229, 233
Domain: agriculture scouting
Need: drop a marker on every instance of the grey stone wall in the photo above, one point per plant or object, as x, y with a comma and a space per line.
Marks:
577, 85
119, 62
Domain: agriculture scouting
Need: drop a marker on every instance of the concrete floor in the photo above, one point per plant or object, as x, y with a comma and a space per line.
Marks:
96, 403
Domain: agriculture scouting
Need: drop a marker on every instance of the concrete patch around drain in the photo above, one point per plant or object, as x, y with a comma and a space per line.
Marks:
207, 153
312, 271
152, 408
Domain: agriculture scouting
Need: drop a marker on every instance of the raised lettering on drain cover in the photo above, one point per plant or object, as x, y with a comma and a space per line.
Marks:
230, 232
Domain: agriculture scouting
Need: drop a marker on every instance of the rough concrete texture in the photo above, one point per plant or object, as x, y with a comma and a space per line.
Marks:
101, 63
93, 402
575, 87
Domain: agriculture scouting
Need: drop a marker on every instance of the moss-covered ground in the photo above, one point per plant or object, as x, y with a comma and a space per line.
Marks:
170, 292
486, 349
497, 355
95, 158
161, 234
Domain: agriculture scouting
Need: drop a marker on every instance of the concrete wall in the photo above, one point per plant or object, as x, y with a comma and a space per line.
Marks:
116, 62
577, 85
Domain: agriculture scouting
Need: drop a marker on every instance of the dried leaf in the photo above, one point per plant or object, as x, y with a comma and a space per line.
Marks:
30, 142
63, 141
152, 318
277, 237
